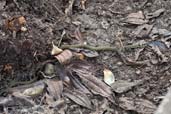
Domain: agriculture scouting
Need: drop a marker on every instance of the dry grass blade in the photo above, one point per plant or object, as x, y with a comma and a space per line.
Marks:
55, 88
79, 98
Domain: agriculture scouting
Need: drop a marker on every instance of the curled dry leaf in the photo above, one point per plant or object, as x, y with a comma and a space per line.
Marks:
55, 88
109, 77
141, 106
65, 56
79, 98
55, 50
122, 86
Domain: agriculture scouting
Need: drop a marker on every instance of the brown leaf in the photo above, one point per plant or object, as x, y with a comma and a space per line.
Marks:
78, 35
142, 106
103, 108
142, 31
138, 15
79, 98
30, 90
85, 72
155, 14
16, 100
135, 21
131, 62
78, 84
157, 49
55, 88
15, 23
136, 18
121, 86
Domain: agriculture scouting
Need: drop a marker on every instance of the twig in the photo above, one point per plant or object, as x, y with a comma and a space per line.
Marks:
102, 48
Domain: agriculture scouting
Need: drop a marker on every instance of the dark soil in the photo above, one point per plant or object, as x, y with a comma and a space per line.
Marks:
100, 24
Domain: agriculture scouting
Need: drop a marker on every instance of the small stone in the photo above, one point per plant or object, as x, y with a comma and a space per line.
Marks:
23, 29
138, 72
119, 63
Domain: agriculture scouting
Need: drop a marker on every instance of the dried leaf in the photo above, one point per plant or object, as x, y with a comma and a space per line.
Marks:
34, 91
135, 21
161, 45
89, 53
15, 100
65, 56
2, 4
131, 62
155, 14
137, 53
159, 32
83, 2
79, 85
138, 15
86, 52
103, 108
136, 18
122, 86
55, 88
55, 50
15, 23
21, 20
57, 104
79, 98
8, 68
30, 90
109, 77
79, 56
156, 46
68, 10
78, 35
142, 31
85, 72
142, 106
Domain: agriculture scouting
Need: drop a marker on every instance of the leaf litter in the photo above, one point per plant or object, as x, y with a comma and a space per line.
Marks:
83, 83
79, 98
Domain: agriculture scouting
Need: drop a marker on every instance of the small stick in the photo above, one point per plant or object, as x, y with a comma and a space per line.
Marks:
102, 48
